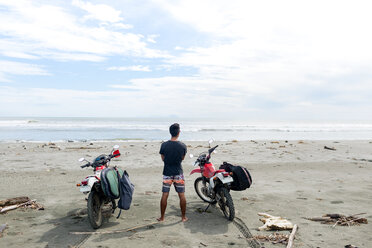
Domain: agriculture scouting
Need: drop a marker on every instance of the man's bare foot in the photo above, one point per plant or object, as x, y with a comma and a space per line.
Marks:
184, 219
160, 219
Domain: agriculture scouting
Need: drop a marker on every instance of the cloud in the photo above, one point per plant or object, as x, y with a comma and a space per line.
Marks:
151, 38
35, 30
274, 50
129, 68
16, 68
101, 12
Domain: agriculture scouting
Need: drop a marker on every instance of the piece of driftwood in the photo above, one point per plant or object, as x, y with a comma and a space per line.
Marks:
274, 222
84, 148
274, 238
329, 148
292, 236
340, 219
116, 231
12, 207
14, 201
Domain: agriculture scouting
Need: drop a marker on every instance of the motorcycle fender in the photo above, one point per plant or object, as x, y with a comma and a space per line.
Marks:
223, 179
211, 182
197, 170
87, 188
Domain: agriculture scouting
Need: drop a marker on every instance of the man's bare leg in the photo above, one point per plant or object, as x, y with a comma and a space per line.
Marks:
183, 206
163, 205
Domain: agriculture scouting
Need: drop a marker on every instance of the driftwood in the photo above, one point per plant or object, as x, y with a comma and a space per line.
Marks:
14, 201
329, 148
30, 204
84, 147
292, 236
340, 219
116, 231
274, 238
274, 222
12, 207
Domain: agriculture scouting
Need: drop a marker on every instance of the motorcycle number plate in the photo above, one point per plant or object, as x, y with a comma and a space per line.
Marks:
227, 180
84, 189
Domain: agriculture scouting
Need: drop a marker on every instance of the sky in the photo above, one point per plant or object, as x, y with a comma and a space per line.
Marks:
239, 59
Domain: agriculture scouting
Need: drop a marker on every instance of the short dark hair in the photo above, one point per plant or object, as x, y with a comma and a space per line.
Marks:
174, 129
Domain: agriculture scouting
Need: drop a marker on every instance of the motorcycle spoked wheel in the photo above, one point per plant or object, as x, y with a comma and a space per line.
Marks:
201, 188
95, 209
226, 203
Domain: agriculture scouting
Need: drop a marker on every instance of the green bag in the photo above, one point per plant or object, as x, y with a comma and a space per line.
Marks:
110, 183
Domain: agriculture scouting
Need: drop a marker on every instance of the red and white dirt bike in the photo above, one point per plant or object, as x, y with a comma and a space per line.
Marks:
214, 185
92, 185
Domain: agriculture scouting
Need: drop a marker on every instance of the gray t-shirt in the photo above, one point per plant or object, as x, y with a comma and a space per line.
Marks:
173, 152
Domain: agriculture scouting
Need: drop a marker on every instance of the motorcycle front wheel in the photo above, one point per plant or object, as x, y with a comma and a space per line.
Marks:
95, 209
226, 203
201, 188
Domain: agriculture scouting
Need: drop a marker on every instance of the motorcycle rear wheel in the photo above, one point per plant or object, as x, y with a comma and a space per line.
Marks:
201, 188
95, 209
226, 203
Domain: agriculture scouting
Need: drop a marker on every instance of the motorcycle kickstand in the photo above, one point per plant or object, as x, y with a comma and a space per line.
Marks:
207, 207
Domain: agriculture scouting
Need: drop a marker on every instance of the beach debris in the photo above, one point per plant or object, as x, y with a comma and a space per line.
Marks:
149, 226
301, 142
274, 223
18, 203
330, 148
203, 244
350, 246
292, 236
362, 159
274, 142
150, 192
275, 238
14, 201
84, 147
2, 228
340, 219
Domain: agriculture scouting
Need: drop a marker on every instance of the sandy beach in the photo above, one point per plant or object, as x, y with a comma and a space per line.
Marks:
293, 179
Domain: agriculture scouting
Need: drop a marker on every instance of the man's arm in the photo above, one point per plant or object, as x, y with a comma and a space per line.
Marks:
185, 151
162, 157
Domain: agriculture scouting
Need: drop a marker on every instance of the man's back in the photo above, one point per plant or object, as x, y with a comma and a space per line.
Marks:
173, 152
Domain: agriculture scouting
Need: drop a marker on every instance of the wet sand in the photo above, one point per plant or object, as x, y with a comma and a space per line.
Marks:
293, 179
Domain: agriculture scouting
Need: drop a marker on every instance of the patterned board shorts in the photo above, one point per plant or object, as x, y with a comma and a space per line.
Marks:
178, 181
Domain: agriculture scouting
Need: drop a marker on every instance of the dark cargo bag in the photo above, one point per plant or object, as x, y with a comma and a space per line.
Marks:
242, 177
110, 182
126, 189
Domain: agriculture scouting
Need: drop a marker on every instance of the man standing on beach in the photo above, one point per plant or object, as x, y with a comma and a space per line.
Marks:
172, 153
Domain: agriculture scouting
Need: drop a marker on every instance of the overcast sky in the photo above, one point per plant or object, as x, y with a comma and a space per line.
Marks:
255, 60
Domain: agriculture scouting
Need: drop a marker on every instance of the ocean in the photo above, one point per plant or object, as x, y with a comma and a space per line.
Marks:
110, 129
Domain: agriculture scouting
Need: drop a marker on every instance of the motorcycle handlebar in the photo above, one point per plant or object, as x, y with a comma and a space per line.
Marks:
109, 157
212, 149
86, 165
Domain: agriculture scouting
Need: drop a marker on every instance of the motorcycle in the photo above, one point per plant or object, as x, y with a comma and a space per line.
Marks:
214, 185
92, 185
